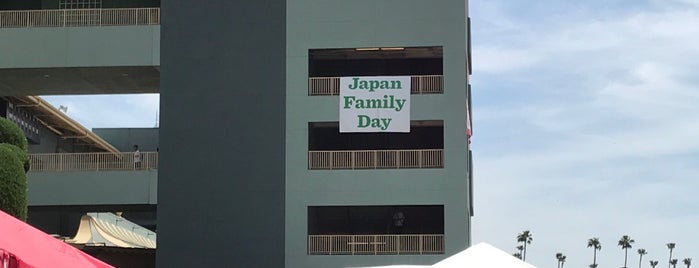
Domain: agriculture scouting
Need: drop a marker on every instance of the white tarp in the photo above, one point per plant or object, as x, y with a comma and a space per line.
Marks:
375, 104
101, 228
481, 255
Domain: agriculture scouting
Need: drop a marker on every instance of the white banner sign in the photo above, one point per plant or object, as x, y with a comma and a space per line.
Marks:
375, 104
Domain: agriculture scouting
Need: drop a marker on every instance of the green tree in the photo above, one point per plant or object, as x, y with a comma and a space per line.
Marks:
558, 259
687, 261
673, 262
670, 246
561, 259
14, 163
625, 244
641, 252
525, 238
596, 246
10, 133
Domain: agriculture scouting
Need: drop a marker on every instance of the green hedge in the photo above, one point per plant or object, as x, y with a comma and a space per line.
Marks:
12, 134
13, 182
14, 163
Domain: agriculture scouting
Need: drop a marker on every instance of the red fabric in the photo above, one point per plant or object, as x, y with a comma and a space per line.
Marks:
33, 248
8, 260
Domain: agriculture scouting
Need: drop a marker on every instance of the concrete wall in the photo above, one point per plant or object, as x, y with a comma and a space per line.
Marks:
80, 46
92, 188
221, 196
80, 60
376, 23
125, 138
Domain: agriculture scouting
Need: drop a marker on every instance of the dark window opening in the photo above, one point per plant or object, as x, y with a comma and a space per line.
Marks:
373, 220
325, 136
375, 61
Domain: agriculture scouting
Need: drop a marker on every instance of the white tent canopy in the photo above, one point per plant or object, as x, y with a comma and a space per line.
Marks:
101, 228
481, 255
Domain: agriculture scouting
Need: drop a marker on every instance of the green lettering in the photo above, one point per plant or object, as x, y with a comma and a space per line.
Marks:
348, 101
363, 85
374, 104
373, 84
354, 85
399, 104
384, 85
363, 121
386, 122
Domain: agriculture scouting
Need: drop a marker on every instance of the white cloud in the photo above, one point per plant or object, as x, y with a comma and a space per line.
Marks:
498, 60
599, 130
110, 111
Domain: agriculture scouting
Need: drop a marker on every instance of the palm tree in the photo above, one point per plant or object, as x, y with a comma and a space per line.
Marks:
525, 238
653, 263
596, 246
558, 259
670, 246
561, 259
687, 261
517, 255
625, 244
641, 252
673, 262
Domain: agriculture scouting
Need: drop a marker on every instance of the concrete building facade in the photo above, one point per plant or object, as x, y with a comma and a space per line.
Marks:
253, 170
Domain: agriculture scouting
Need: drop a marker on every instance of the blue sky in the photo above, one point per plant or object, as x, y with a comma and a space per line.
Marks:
586, 125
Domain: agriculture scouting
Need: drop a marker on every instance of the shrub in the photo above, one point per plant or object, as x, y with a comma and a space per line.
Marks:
13, 182
14, 163
12, 134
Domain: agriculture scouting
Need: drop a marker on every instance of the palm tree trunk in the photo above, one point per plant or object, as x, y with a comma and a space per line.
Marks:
668, 260
626, 254
640, 260
524, 255
594, 256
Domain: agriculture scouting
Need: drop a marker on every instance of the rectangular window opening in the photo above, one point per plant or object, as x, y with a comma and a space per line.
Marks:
425, 134
376, 230
424, 65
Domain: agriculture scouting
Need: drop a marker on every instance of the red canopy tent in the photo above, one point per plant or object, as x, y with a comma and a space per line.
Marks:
23, 246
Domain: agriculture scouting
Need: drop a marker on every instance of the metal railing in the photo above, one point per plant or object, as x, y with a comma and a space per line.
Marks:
419, 84
91, 162
408, 244
79, 17
374, 159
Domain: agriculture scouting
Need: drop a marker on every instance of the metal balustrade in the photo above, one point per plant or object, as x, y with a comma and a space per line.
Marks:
61, 162
407, 244
375, 159
419, 84
79, 17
